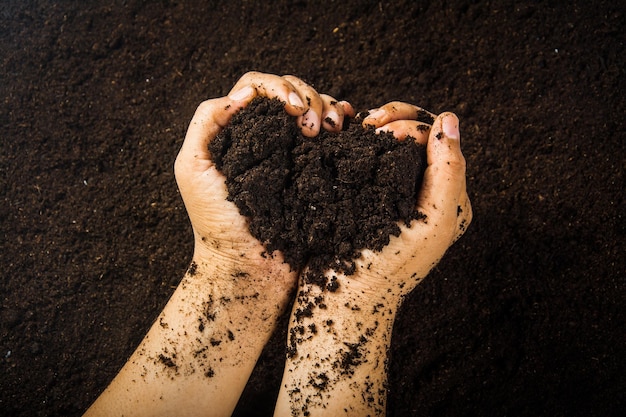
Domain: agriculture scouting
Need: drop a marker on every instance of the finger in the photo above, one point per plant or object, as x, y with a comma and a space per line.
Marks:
397, 110
311, 121
273, 86
402, 129
334, 113
444, 178
348, 110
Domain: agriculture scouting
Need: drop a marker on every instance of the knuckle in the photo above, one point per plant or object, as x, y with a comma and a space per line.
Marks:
250, 74
204, 108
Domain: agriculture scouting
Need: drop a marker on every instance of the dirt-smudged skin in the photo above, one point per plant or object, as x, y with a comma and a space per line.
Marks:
336, 366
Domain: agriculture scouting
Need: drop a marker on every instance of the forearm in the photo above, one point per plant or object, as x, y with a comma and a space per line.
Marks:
337, 353
198, 355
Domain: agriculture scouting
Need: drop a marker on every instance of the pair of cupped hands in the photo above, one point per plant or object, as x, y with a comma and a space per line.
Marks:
221, 234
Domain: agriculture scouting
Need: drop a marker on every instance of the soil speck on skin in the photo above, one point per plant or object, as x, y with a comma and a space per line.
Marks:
320, 200
193, 269
333, 285
167, 361
352, 357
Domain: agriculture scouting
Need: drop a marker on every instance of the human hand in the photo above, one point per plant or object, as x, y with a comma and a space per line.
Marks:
409, 257
339, 343
220, 232
199, 353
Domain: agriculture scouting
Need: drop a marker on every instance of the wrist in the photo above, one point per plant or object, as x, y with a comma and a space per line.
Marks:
337, 312
338, 344
202, 346
263, 279
360, 290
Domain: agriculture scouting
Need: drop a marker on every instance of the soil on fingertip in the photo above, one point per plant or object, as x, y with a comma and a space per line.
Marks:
318, 200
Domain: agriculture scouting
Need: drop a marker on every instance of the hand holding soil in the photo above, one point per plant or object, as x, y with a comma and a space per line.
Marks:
218, 226
340, 333
443, 200
198, 355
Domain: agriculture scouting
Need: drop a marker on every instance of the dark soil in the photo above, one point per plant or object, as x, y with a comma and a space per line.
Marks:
318, 200
525, 314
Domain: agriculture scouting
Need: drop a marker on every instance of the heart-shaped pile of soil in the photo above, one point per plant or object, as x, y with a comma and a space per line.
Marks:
319, 200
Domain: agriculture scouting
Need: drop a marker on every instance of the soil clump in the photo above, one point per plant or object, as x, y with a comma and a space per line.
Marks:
318, 200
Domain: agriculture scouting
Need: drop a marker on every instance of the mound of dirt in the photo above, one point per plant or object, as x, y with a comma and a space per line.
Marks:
318, 200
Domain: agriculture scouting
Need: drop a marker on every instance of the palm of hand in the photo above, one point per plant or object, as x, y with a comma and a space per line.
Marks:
217, 224
401, 265
222, 233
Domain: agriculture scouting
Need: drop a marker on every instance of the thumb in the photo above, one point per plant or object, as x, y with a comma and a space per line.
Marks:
444, 178
210, 118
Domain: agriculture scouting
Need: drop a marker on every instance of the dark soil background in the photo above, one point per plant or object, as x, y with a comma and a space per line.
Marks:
523, 317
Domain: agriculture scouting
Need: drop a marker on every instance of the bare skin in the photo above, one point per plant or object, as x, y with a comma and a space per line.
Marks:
339, 341
198, 355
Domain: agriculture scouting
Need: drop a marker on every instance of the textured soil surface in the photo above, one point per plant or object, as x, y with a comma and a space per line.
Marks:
318, 200
525, 314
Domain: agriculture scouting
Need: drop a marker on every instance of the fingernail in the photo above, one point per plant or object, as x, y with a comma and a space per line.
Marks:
311, 119
450, 125
294, 100
242, 94
375, 114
